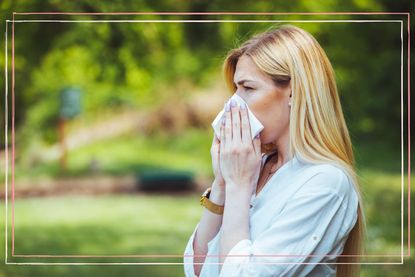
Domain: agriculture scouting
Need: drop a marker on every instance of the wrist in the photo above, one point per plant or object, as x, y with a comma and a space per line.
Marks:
217, 195
235, 191
219, 184
240, 186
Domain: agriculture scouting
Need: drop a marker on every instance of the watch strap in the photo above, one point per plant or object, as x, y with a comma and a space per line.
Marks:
204, 201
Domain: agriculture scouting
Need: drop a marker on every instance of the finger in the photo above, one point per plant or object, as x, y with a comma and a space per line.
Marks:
214, 149
228, 122
215, 145
236, 122
215, 139
222, 133
257, 144
245, 125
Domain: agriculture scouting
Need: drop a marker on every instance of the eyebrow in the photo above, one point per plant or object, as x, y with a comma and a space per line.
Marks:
241, 82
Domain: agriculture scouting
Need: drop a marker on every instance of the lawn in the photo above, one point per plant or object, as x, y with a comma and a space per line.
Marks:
133, 225
137, 224
105, 225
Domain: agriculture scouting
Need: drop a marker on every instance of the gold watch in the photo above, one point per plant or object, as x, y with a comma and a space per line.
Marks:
204, 201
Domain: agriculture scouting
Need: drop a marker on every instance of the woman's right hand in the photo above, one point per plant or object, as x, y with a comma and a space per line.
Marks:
214, 152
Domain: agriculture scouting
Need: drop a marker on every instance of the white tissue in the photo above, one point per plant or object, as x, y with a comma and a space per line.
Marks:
256, 126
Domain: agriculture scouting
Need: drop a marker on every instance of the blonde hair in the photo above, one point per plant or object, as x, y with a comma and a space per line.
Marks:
318, 131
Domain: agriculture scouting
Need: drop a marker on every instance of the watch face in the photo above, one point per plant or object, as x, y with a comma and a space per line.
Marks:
207, 192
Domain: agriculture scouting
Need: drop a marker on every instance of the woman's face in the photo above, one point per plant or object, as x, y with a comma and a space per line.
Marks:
267, 100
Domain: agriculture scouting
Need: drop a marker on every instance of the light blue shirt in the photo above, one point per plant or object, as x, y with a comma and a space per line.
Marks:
304, 209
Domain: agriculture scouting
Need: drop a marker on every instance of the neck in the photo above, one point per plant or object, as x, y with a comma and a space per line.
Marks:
282, 149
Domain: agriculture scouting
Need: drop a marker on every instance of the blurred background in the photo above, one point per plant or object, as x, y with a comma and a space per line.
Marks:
112, 125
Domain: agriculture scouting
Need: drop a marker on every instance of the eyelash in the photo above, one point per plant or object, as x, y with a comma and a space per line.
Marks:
247, 88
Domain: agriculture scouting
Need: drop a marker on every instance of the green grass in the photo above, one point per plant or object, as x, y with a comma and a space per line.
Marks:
131, 225
151, 224
107, 225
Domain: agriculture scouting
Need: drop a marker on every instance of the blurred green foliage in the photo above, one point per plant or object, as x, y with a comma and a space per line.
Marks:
131, 64
132, 154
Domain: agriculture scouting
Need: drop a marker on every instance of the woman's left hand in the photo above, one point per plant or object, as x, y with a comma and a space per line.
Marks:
240, 156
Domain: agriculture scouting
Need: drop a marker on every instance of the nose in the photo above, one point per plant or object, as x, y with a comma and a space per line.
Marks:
239, 94
239, 99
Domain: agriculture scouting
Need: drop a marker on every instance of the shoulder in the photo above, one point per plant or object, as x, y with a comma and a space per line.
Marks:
327, 179
327, 188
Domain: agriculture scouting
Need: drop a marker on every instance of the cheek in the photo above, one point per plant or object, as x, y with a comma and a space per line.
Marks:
262, 111
274, 117
268, 108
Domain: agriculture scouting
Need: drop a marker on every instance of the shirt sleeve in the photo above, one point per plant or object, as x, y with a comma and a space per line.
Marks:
313, 222
188, 256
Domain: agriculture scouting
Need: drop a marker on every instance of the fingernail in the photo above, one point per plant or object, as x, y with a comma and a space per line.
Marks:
243, 106
233, 103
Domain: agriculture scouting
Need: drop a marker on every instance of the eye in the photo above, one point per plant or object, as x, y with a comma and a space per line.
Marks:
247, 88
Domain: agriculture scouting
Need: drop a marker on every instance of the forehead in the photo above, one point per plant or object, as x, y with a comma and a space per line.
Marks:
247, 69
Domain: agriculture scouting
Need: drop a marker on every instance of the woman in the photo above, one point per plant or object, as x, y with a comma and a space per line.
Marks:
290, 197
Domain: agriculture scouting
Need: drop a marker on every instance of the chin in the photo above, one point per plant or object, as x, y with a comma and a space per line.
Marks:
268, 147
266, 139
267, 144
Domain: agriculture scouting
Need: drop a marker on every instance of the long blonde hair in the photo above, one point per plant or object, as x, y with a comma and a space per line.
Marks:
318, 131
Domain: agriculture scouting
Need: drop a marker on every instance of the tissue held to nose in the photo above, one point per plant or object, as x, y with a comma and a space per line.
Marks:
256, 126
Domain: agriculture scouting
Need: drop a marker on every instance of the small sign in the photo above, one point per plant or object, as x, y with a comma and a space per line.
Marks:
70, 102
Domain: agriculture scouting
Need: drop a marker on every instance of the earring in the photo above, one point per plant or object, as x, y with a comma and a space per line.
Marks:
289, 104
